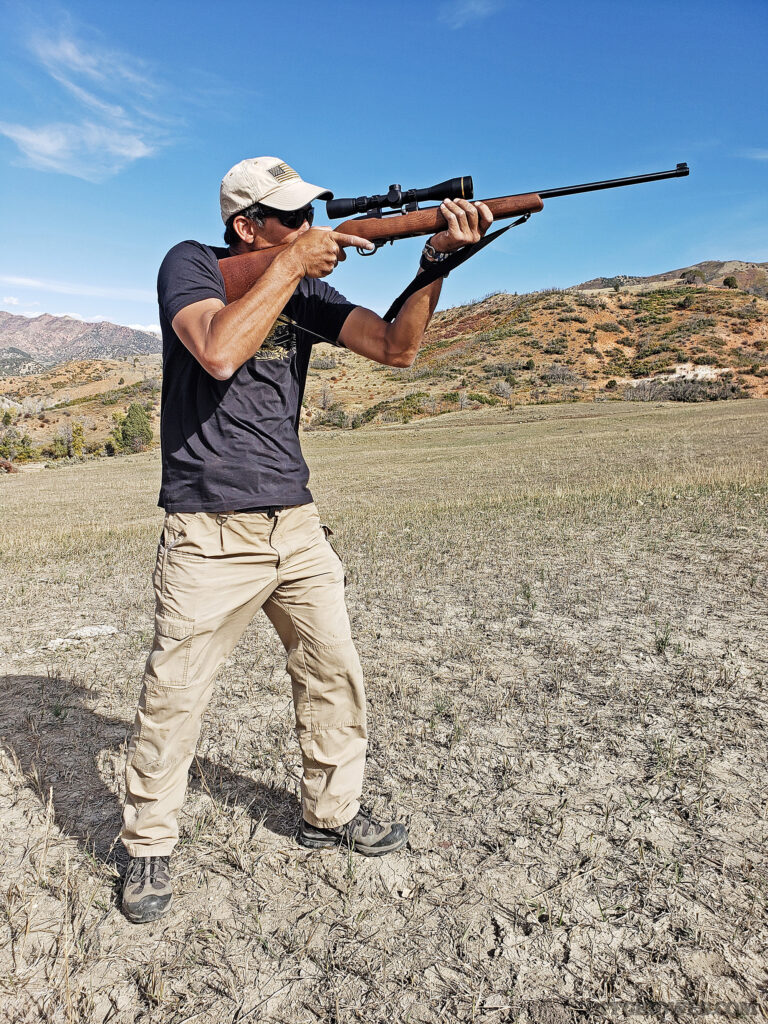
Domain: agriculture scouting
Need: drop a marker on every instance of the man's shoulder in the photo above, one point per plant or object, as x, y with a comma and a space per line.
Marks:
195, 251
189, 272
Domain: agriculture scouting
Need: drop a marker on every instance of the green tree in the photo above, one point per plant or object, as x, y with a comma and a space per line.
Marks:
59, 447
77, 440
730, 282
7, 418
135, 431
15, 445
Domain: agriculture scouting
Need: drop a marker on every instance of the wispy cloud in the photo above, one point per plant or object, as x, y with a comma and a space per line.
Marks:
113, 100
90, 151
755, 154
458, 13
68, 288
148, 328
10, 300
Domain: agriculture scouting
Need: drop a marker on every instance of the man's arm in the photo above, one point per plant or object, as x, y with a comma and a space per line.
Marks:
223, 337
398, 343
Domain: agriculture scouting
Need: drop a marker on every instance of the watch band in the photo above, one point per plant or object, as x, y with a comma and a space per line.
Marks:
430, 257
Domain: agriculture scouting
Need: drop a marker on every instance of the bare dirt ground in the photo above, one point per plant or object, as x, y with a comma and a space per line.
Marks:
561, 612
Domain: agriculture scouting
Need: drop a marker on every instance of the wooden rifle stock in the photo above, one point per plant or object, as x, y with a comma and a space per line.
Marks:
427, 222
241, 272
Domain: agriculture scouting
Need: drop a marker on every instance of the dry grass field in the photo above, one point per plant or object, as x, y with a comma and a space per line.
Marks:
561, 611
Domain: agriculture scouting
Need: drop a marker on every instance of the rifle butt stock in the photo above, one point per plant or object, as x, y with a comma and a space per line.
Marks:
241, 272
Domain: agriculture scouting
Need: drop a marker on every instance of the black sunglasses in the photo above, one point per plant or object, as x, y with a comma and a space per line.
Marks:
292, 218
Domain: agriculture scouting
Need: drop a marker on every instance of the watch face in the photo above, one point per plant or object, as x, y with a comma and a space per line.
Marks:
430, 253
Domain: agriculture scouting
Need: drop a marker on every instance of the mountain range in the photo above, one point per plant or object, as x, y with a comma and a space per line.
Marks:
30, 344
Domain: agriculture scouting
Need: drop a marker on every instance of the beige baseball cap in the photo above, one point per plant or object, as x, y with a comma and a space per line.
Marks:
268, 180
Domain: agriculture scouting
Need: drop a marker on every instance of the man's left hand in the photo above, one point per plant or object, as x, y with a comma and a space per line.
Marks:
467, 222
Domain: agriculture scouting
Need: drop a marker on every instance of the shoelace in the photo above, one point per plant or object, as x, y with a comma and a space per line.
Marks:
365, 816
143, 866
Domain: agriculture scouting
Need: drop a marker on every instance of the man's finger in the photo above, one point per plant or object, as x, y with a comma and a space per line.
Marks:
450, 216
460, 213
472, 216
347, 240
486, 217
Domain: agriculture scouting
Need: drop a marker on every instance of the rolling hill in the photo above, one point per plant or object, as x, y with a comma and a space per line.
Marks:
749, 277
654, 338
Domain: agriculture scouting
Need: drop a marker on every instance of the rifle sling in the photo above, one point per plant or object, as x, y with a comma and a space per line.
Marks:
422, 279
442, 269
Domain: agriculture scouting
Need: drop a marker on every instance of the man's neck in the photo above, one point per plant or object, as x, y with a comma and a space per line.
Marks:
240, 248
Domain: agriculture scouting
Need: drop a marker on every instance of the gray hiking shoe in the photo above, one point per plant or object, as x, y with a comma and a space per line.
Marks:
147, 892
363, 834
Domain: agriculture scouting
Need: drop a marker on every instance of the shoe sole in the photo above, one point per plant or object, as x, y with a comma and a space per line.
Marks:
328, 844
147, 918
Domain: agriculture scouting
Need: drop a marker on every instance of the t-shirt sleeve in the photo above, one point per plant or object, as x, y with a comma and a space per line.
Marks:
328, 309
190, 272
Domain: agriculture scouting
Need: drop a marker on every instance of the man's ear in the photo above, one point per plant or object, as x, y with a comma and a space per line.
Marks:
245, 228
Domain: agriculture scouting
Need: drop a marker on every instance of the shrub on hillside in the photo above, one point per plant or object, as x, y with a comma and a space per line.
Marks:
557, 374
323, 363
15, 445
478, 396
135, 430
693, 276
683, 389
556, 347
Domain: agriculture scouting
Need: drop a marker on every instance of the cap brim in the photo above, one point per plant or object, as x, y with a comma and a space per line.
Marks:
293, 195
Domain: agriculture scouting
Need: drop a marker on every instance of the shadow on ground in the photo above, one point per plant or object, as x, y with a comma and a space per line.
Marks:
67, 750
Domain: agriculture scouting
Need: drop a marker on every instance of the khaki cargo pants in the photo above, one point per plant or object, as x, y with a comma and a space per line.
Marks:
213, 573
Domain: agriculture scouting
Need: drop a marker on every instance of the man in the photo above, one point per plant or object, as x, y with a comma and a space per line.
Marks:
241, 531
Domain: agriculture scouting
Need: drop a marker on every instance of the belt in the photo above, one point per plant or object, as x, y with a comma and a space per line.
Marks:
269, 510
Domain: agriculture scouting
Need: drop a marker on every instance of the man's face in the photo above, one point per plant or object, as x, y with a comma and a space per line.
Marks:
274, 231
278, 234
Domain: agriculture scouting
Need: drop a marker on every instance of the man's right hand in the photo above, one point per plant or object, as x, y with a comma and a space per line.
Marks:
319, 250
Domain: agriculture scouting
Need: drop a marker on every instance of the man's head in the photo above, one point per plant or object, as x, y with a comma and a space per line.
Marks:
264, 193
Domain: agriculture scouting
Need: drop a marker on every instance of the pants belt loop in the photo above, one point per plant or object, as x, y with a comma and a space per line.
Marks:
221, 519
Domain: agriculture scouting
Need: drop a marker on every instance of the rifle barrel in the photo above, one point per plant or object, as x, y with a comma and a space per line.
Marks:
595, 186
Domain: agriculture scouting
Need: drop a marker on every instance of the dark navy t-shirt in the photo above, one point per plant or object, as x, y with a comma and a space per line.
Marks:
234, 444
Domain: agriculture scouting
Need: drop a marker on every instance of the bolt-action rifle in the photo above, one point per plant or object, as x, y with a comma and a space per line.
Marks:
396, 215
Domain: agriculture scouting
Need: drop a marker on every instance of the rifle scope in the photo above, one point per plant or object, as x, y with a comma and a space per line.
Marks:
396, 198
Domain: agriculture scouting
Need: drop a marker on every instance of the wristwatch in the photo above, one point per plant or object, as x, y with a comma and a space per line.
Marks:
430, 257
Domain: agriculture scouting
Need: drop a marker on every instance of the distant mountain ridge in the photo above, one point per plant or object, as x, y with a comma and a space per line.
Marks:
750, 277
48, 340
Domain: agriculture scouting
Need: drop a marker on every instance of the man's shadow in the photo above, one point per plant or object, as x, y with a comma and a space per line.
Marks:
49, 726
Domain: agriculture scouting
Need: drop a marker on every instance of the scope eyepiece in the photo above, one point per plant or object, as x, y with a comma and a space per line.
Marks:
396, 198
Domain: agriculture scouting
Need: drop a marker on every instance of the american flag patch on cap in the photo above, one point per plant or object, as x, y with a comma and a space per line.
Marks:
283, 172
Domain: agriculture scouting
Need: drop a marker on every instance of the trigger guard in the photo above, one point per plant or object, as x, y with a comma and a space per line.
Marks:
371, 252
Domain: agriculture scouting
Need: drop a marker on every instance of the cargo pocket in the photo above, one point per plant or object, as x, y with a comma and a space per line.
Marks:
328, 534
168, 663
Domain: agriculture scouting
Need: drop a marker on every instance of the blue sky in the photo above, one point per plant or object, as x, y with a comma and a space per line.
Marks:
118, 121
